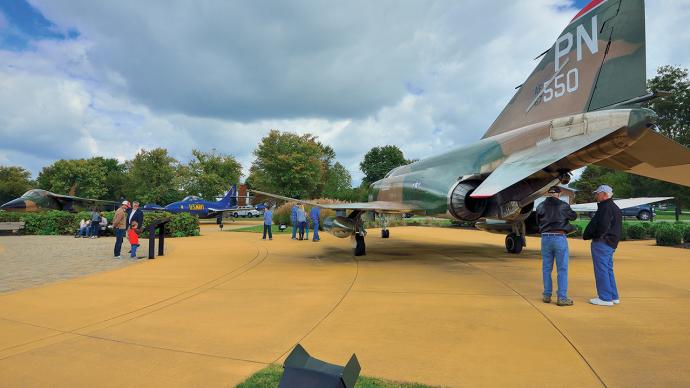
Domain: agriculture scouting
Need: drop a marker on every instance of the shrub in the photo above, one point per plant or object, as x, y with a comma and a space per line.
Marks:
53, 222
636, 232
180, 225
653, 227
686, 235
6, 216
668, 235
281, 215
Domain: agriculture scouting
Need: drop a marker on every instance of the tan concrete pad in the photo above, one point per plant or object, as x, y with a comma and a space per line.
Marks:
437, 306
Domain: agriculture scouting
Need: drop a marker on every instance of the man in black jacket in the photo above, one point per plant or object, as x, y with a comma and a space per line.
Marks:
135, 214
553, 216
605, 231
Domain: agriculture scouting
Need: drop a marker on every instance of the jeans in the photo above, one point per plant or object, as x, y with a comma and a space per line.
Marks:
94, 230
316, 231
602, 257
119, 236
134, 250
301, 230
294, 229
555, 246
83, 231
267, 228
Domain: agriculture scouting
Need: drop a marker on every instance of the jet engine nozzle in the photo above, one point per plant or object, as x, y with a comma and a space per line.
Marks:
462, 206
341, 227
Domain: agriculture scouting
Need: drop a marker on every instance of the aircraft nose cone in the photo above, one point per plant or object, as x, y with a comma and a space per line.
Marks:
14, 205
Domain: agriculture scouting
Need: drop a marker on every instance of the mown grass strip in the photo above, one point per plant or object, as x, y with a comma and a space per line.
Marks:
270, 377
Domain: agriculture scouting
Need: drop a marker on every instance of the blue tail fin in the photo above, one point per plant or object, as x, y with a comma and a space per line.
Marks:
230, 199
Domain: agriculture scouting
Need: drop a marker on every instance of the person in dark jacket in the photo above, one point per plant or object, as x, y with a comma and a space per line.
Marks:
553, 217
605, 231
135, 214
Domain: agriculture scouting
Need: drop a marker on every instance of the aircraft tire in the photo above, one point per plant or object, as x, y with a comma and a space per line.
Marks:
385, 233
514, 243
360, 247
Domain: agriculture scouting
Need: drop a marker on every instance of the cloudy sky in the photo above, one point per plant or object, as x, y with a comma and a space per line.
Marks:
80, 77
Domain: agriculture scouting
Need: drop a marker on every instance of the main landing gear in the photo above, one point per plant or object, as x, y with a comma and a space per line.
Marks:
515, 241
385, 233
358, 246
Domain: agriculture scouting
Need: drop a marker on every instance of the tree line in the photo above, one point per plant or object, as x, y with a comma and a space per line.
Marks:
285, 163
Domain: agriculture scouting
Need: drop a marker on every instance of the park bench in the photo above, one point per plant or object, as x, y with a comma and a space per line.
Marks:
11, 226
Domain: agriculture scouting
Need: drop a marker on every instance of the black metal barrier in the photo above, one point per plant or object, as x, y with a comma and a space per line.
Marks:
305, 371
160, 226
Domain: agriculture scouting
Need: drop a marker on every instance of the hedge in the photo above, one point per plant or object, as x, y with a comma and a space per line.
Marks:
668, 235
636, 232
57, 222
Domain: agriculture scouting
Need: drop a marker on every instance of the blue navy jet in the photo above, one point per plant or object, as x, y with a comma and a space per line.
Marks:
200, 207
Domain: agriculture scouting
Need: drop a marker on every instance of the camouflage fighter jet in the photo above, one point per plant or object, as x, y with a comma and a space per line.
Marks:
38, 200
580, 106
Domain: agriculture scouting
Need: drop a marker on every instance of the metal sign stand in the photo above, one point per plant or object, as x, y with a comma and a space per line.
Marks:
160, 226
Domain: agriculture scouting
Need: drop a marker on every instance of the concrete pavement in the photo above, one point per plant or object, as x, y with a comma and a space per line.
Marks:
436, 306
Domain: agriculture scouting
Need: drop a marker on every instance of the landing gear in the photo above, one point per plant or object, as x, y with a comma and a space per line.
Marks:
514, 243
385, 233
358, 247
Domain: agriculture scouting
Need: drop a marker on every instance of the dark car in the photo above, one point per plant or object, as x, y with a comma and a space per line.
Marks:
642, 212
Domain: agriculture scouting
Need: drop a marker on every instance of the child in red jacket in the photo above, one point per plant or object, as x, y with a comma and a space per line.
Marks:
133, 238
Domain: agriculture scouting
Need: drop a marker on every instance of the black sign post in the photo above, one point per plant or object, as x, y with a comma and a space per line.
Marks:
160, 226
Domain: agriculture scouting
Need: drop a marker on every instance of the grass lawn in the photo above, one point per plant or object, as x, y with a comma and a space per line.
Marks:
259, 229
670, 215
270, 377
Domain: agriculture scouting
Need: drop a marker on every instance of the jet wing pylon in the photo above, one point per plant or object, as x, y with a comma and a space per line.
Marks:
522, 164
621, 203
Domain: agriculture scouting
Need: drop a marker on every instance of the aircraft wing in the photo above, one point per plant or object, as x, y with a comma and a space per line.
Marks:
220, 210
621, 203
645, 158
68, 201
521, 165
380, 206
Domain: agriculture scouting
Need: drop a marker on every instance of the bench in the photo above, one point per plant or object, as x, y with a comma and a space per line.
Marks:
12, 226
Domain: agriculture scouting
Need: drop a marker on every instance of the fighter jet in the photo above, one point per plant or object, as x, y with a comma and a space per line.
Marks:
580, 106
200, 207
37, 200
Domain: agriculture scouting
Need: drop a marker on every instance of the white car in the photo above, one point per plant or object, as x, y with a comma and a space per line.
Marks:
246, 212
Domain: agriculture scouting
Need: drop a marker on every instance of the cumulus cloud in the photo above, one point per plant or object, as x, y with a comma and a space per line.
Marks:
426, 76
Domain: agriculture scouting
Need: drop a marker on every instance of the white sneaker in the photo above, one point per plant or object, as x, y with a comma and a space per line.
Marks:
599, 302
118, 257
616, 301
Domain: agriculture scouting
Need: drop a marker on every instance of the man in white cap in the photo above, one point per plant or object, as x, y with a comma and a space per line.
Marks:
605, 231
120, 227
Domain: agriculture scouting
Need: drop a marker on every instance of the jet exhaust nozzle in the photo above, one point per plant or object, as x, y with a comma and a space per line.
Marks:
462, 206
341, 227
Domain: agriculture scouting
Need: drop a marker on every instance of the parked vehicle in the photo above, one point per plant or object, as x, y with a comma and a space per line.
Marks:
246, 211
642, 212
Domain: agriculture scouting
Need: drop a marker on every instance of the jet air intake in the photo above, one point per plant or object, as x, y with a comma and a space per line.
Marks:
462, 206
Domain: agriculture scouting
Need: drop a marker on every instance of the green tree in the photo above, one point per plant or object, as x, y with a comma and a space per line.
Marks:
338, 183
14, 181
593, 176
154, 176
209, 175
674, 110
290, 164
97, 177
379, 161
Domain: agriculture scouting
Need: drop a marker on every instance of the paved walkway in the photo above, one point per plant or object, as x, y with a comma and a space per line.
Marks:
437, 306
29, 261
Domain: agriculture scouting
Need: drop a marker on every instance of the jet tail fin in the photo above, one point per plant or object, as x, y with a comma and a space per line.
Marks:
230, 199
599, 60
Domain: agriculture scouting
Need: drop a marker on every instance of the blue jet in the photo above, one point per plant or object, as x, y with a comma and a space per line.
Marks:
199, 206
